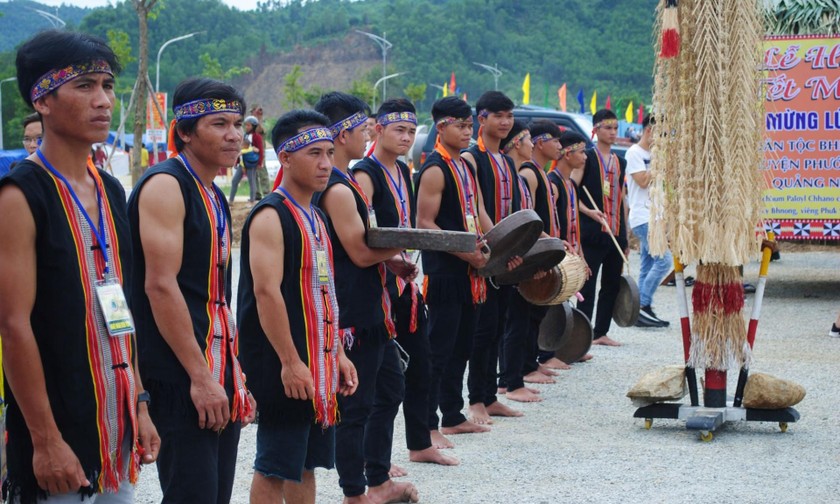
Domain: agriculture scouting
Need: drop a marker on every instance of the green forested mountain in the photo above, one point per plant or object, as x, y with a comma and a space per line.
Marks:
603, 45
19, 19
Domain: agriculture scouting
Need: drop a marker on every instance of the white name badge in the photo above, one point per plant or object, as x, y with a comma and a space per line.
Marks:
471, 224
323, 273
372, 218
115, 310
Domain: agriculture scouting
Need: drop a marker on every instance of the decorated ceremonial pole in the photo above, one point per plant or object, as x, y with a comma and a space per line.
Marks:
705, 167
685, 327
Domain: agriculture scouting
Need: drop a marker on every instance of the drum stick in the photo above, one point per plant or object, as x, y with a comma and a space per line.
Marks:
604, 223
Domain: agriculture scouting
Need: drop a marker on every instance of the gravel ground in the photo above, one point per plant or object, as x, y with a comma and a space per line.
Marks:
583, 445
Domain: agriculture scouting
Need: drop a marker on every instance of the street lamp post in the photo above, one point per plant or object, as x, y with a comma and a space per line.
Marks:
1, 107
170, 41
384, 45
382, 81
493, 70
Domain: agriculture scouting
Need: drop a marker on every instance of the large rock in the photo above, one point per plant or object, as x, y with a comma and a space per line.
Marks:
664, 384
768, 392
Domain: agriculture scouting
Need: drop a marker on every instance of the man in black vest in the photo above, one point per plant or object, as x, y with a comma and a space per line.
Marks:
181, 231
77, 414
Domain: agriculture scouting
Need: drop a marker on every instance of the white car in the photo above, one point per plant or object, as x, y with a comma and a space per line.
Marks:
272, 164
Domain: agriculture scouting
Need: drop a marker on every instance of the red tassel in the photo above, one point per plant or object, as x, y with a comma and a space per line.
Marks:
670, 32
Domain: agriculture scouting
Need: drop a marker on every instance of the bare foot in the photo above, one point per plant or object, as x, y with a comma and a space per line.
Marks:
465, 427
432, 456
478, 414
359, 499
501, 390
503, 410
606, 341
397, 471
537, 377
555, 363
393, 492
439, 441
546, 371
532, 390
586, 358
522, 394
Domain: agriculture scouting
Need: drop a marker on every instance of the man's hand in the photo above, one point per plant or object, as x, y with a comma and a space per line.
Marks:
514, 262
147, 436
252, 415
348, 380
477, 258
539, 274
402, 267
594, 214
57, 469
297, 380
211, 401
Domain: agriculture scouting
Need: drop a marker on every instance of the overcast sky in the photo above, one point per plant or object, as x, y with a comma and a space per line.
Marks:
239, 4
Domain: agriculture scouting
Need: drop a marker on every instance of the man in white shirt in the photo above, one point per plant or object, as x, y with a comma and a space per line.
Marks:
653, 269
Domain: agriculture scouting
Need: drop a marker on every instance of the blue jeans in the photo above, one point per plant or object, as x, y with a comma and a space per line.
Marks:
653, 269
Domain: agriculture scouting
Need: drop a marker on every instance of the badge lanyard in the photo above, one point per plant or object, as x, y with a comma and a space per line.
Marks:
398, 186
320, 253
507, 191
468, 194
109, 293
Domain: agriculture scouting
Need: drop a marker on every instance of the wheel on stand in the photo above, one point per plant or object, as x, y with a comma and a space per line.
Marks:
706, 436
783, 426
648, 423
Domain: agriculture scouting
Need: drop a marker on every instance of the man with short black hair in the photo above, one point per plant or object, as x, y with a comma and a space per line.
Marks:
289, 318
603, 177
78, 420
181, 229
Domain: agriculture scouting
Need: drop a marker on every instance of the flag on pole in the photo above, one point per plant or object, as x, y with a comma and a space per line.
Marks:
628, 115
609, 104
594, 102
526, 89
445, 89
452, 86
561, 95
580, 100
641, 113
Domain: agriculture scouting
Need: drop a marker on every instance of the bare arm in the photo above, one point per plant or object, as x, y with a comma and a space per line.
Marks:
340, 204
266, 260
531, 178
366, 183
56, 467
642, 178
429, 197
162, 237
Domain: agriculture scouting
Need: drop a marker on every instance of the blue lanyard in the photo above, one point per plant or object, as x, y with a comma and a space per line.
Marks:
467, 186
221, 218
604, 165
397, 186
309, 217
100, 232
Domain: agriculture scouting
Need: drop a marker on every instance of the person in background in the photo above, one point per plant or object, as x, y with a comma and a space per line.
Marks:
33, 130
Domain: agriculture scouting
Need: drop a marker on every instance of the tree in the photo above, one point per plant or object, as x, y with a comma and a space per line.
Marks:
313, 94
292, 88
362, 89
213, 69
415, 92
144, 10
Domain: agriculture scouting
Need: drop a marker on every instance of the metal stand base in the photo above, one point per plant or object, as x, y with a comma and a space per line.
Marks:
706, 420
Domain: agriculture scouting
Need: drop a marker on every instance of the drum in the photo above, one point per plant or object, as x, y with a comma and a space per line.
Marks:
626, 310
542, 290
421, 239
572, 277
578, 340
510, 237
556, 325
544, 255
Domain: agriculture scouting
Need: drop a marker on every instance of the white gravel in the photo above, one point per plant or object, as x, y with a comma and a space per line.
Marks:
582, 444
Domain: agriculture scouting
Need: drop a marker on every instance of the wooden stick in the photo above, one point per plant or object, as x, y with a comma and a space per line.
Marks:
604, 223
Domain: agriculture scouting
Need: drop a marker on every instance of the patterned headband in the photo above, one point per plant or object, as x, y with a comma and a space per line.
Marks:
572, 148
451, 120
606, 122
305, 138
519, 136
54, 79
199, 108
349, 123
484, 113
393, 117
543, 137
